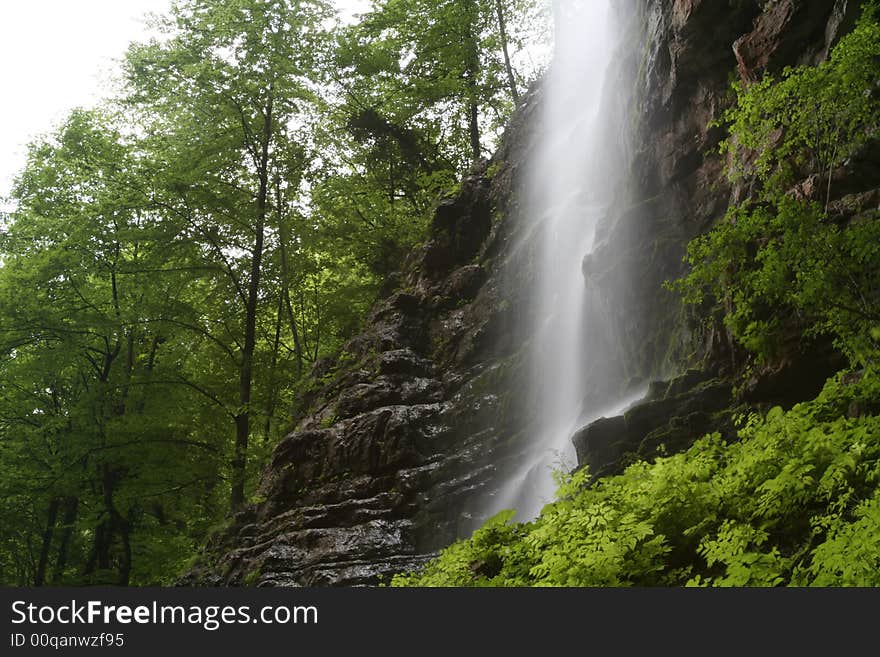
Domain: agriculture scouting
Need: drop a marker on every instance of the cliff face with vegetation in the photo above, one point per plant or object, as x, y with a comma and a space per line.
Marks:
413, 426
690, 53
409, 427
678, 189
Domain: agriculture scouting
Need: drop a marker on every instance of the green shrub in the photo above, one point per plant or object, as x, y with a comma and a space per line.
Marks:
794, 501
779, 262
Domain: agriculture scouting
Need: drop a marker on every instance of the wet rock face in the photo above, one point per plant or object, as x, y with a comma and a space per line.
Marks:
461, 225
676, 188
410, 431
668, 420
793, 32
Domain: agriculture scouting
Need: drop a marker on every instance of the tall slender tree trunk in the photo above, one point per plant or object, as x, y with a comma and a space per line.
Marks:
306, 335
43, 563
476, 148
246, 374
505, 48
285, 279
71, 505
99, 558
125, 564
472, 74
392, 181
297, 344
273, 367
117, 524
318, 320
151, 366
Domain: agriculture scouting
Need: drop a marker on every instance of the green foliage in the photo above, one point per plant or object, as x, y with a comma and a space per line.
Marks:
776, 269
179, 259
418, 82
97, 440
794, 501
418, 68
787, 259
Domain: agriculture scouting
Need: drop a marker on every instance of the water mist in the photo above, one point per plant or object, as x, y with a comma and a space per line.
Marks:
568, 192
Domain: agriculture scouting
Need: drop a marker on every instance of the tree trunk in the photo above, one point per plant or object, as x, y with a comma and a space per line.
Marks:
476, 148
502, 32
318, 320
43, 563
273, 397
285, 280
306, 339
472, 74
125, 565
99, 558
151, 365
392, 181
117, 523
246, 374
297, 345
71, 505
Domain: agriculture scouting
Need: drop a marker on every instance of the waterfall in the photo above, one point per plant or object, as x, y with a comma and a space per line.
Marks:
568, 193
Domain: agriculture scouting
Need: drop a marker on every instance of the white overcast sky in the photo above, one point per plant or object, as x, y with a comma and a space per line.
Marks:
53, 56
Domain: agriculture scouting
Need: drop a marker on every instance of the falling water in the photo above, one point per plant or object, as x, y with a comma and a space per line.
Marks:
568, 195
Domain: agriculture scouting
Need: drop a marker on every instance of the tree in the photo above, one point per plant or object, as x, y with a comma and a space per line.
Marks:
501, 13
96, 440
417, 88
225, 90
179, 258
444, 69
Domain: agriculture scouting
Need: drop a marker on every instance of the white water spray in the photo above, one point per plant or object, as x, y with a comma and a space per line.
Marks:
569, 192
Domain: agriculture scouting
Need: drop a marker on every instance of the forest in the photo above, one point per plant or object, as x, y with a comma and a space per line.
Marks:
183, 265
181, 257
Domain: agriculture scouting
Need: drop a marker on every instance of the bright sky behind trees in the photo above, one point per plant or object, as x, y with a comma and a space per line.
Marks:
55, 54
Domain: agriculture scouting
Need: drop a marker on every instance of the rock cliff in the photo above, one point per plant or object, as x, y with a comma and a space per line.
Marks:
411, 429
408, 429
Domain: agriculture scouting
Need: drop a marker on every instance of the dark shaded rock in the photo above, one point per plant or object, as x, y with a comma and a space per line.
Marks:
461, 225
677, 386
793, 32
799, 375
404, 362
673, 415
600, 445
386, 391
463, 284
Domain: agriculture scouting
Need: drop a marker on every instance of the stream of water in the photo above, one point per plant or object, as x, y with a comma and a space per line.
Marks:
568, 195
